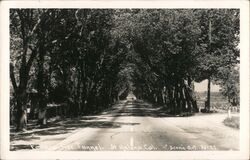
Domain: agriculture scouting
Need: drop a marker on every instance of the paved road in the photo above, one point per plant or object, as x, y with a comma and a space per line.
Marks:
137, 126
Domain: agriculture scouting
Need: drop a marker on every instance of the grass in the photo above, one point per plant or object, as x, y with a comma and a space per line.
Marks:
233, 122
218, 102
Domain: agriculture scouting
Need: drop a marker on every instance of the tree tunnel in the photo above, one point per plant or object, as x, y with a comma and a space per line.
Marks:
86, 59
172, 89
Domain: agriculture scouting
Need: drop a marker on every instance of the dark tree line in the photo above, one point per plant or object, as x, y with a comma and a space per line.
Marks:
86, 59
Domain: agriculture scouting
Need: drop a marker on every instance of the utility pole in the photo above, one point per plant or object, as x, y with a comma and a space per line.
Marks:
209, 78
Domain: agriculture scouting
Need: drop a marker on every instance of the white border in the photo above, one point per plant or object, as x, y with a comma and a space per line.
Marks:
244, 80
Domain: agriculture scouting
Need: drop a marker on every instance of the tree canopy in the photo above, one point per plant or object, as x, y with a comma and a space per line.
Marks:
89, 58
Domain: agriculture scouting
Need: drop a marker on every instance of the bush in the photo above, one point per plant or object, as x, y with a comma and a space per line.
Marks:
233, 122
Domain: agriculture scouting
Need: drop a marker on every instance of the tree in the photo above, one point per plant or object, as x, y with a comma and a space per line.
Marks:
219, 41
228, 79
23, 25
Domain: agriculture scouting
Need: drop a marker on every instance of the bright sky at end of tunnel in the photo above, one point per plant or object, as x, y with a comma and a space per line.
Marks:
202, 86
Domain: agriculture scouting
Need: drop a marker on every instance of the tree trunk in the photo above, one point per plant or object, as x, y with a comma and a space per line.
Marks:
33, 106
176, 109
208, 94
42, 121
21, 111
183, 100
41, 88
178, 98
78, 93
21, 99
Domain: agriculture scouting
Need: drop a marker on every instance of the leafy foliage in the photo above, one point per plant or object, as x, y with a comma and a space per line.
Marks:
88, 58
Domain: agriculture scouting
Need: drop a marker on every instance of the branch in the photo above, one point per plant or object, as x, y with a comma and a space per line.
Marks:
20, 14
37, 24
35, 27
32, 57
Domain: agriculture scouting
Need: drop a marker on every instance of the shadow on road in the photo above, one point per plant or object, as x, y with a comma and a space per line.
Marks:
105, 120
140, 108
67, 126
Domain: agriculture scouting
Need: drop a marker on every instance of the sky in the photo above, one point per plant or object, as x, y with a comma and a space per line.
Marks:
202, 86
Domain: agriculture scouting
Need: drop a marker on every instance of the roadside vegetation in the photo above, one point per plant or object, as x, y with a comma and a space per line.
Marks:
233, 122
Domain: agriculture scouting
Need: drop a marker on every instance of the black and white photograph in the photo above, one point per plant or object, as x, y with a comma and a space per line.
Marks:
124, 79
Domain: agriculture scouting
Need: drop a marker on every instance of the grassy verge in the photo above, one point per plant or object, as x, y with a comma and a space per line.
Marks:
233, 122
